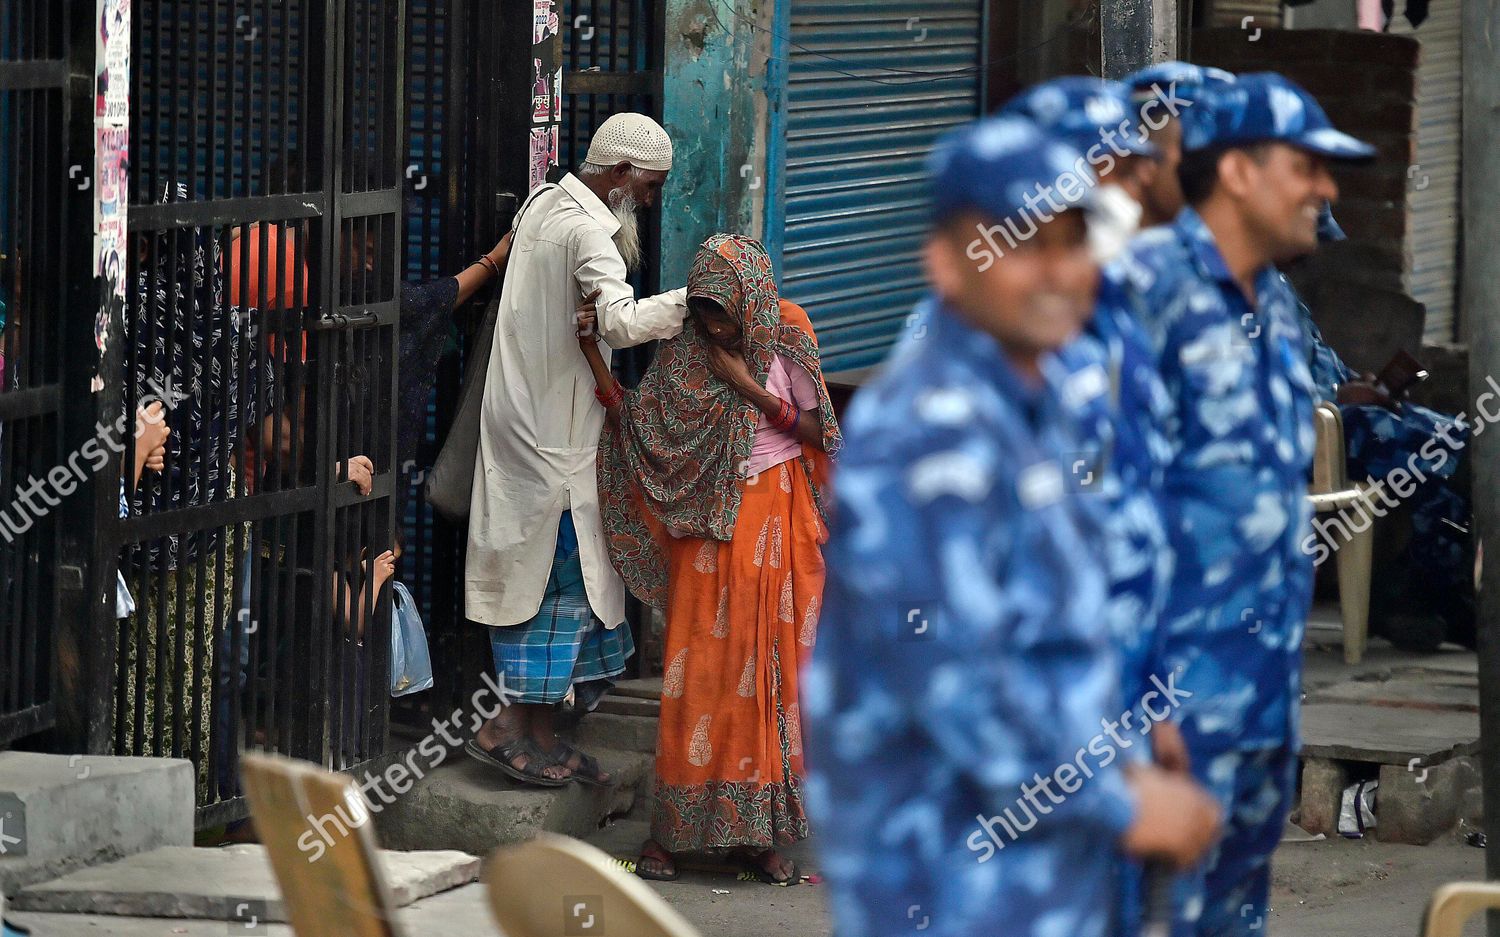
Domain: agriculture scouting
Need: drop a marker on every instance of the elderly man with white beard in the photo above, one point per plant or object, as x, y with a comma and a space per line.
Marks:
538, 573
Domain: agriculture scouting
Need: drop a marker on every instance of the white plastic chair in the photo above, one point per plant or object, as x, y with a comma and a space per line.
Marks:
344, 894
1453, 904
556, 885
1332, 491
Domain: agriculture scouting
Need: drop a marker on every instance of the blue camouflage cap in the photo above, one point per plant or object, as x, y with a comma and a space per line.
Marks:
1183, 74
1267, 107
992, 165
1086, 112
1178, 86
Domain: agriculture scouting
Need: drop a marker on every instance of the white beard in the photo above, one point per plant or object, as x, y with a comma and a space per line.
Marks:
628, 239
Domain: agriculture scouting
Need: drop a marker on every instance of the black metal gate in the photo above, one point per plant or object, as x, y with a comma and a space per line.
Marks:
262, 283
43, 181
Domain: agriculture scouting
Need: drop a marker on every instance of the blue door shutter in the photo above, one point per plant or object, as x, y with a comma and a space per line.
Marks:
858, 130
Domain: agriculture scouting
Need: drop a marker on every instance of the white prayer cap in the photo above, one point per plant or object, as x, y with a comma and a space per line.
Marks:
631, 138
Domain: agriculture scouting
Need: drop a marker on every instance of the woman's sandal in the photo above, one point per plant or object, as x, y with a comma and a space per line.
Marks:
502, 755
587, 772
755, 867
652, 851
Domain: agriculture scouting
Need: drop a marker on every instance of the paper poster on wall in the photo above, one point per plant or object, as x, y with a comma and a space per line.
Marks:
109, 174
541, 94
557, 103
544, 21
112, 76
541, 155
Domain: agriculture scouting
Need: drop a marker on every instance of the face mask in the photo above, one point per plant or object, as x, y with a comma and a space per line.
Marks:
1113, 222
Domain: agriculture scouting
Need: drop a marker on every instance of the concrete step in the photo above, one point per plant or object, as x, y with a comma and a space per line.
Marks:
63, 812
233, 884
470, 806
648, 688
628, 706
628, 733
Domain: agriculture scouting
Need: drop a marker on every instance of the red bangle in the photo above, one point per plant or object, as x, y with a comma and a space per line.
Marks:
786, 418
485, 260
611, 398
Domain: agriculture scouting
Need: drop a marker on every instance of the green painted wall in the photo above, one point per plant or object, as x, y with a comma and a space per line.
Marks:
714, 108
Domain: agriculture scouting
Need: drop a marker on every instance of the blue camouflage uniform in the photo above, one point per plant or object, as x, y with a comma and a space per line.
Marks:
1125, 446
1134, 451
1118, 392
1127, 449
1377, 442
1242, 436
963, 681
1235, 498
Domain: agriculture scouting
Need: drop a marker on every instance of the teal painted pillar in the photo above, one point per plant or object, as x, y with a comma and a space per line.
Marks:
714, 108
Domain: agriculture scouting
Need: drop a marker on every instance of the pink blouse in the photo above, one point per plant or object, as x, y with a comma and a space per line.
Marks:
788, 381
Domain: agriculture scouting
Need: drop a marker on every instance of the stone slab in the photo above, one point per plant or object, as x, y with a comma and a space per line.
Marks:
1386, 735
467, 805
62, 812
461, 911
231, 884
1447, 692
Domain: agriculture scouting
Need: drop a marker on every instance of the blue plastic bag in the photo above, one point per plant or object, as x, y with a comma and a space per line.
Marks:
411, 665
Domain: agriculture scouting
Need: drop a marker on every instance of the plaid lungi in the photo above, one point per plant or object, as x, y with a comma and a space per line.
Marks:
564, 644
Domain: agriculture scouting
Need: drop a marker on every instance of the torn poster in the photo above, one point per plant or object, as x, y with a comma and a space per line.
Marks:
544, 21
543, 154
542, 105
110, 178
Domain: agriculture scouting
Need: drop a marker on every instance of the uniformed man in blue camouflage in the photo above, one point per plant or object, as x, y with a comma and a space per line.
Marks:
1162, 93
962, 704
1124, 452
1431, 597
1232, 354
1124, 448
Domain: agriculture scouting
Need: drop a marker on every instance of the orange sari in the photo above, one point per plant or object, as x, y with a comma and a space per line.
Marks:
742, 585
741, 619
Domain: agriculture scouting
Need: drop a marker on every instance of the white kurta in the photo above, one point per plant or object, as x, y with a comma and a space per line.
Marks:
539, 433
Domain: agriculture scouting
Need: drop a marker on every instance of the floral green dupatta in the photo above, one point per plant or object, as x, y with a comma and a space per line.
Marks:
682, 445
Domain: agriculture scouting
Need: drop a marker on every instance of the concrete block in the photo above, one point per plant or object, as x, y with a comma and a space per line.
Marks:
62, 812
225, 884
626, 733
1418, 803
1469, 785
469, 806
1323, 782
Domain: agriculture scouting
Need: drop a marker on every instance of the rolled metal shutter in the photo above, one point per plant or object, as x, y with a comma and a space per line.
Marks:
859, 126
1432, 192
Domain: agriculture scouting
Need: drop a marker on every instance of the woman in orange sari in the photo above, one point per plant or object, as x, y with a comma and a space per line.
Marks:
710, 477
